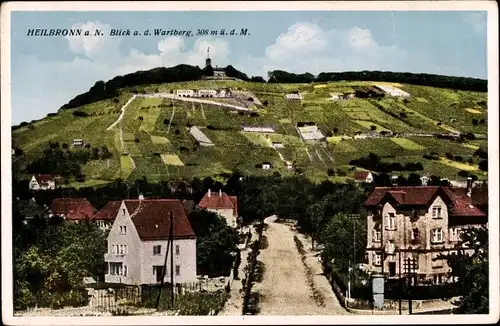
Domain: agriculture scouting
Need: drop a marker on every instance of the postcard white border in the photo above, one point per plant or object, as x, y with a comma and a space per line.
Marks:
493, 149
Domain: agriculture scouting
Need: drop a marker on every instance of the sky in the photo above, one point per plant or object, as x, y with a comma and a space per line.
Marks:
46, 72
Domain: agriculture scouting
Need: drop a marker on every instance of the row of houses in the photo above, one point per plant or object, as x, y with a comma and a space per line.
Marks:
139, 230
222, 93
409, 228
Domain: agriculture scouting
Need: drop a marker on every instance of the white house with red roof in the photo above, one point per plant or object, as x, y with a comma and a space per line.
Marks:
363, 177
412, 226
138, 241
222, 204
42, 182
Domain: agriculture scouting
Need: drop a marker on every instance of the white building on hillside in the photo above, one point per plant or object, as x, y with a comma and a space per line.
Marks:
393, 91
293, 96
137, 243
185, 92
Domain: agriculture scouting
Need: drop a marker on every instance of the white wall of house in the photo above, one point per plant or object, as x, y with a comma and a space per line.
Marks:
369, 178
228, 214
133, 258
185, 259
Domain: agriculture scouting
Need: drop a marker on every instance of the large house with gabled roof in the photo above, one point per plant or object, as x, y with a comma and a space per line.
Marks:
413, 226
138, 240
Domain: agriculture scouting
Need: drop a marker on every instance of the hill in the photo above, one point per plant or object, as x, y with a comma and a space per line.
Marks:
153, 137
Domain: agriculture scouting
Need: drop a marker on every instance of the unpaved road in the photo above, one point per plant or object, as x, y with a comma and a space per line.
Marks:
284, 288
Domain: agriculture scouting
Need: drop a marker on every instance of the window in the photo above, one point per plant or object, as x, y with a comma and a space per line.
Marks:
157, 250
376, 235
123, 229
177, 270
390, 222
437, 235
123, 211
415, 234
410, 264
377, 260
453, 234
391, 247
177, 250
117, 269
436, 212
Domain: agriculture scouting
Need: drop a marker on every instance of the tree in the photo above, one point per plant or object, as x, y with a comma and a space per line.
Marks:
337, 236
472, 272
414, 180
483, 165
215, 242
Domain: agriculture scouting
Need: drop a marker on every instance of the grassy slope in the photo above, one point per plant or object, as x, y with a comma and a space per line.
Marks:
147, 137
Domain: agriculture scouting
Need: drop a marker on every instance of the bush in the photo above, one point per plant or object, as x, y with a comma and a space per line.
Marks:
137, 140
373, 128
331, 172
483, 165
80, 114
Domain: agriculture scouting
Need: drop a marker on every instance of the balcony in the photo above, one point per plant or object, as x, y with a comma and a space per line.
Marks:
111, 278
113, 257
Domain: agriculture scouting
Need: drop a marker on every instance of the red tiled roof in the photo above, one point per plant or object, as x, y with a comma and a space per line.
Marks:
72, 208
151, 218
480, 196
108, 212
403, 195
219, 200
44, 178
461, 204
361, 175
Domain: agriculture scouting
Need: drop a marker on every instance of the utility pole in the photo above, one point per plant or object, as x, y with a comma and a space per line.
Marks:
410, 265
400, 282
171, 236
164, 270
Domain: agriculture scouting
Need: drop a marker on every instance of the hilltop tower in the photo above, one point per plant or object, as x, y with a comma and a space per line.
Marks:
208, 61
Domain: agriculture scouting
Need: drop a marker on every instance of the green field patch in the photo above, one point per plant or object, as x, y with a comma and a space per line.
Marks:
39, 141
421, 100
88, 183
407, 144
133, 148
171, 159
369, 124
345, 146
126, 167
256, 138
118, 142
159, 140
149, 119
334, 139
470, 146
473, 111
458, 165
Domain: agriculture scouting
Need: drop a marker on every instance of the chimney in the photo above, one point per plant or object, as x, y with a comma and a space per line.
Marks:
209, 193
220, 192
141, 197
469, 186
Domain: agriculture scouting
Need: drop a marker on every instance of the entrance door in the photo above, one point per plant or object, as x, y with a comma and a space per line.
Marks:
158, 270
392, 269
